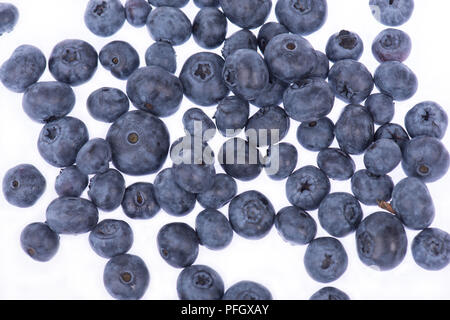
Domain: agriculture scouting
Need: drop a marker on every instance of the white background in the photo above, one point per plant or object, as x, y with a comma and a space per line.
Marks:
76, 272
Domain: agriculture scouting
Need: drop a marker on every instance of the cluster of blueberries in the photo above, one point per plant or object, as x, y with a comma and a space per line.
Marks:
289, 71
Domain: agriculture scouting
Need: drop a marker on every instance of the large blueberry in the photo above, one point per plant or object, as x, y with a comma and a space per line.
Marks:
302, 16
120, 58
396, 80
104, 18
370, 189
111, 237
209, 28
106, 190
295, 225
139, 201
169, 24
248, 14
426, 119
107, 104
39, 241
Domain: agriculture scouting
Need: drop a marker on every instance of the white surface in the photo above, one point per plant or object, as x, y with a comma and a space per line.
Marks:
76, 272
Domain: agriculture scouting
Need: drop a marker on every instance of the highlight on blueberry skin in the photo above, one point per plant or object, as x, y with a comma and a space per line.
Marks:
111, 237
199, 282
247, 290
104, 17
9, 15
431, 249
39, 242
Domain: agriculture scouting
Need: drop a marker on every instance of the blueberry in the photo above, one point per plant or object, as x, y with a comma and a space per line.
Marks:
178, 244
39, 241
280, 161
316, 135
290, 57
73, 62
197, 123
242, 39
336, 164
391, 45
71, 182
161, 54
139, 201
106, 190
23, 185
325, 259
381, 107
251, 215
272, 95
247, 14
247, 290
202, 80
111, 238
295, 225
370, 189
126, 277
209, 28
60, 141
191, 149
322, 66
308, 100
104, 17
392, 12
94, 157
344, 45
383, 156
306, 187
425, 158
9, 15
231, 115
351, 81
268, 31
155, 90
381, 241
137, 11
340, 214
394, 132
302, 16
396, 80
245, 73
268, 126
206, 3
120, 58
240, 159
213, 229
200, 282
413, 204
431, 249
329, 293
169, 24
223, 189
107, 104
139, 143
23, 68
71, 215
194, 177
354, 129
169, 3
426, 119
172, 199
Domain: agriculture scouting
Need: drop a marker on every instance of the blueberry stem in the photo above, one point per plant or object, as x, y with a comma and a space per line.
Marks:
386, 206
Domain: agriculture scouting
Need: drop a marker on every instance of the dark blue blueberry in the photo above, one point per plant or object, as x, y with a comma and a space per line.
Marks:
172, 199
396, 80
251, 215
431, 249
71, 215
111, 238
223, 189
126, 277
306, 187
107, 104
290, 57
94, 156
316, 135
209, 28
322, 66
139, 201
169, 3
106, 190
370, 189
161, 54
104, 17
267, 32
73, 62
9, 15
381, 107
392, 12
213, 229
383, 156
23, 185
280, 161
120, 58
247, 14
350, 81
354, 129
169, 24
413, 204
206, 3
425, 158
242, 39
308, 100
381, 241
39, 241
336, 164
231, 115
60, 141
329, 293
71, 182
394, 132
137, 11
200, 282
344, 45
178, 244
340, 214
391, 45
155, 90
197, 123
325, 259
302, 16
267, 126
295, 225
194, 176
23, 68
272, 95
426, 119
247, 290
202, 80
